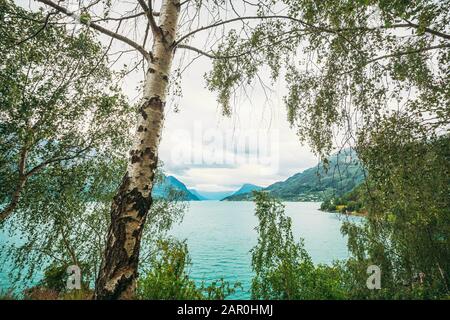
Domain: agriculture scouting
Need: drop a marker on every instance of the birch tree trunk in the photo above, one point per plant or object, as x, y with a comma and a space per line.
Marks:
119, 269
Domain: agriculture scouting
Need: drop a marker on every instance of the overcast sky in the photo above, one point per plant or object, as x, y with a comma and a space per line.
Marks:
210, 152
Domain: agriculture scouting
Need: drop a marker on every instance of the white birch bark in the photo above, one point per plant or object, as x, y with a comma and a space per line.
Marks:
118, 273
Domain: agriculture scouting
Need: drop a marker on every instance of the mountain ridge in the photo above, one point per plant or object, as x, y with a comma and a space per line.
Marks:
244, 189
163, 188
335, 175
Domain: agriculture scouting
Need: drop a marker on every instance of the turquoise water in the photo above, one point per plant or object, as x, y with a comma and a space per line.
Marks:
220, 235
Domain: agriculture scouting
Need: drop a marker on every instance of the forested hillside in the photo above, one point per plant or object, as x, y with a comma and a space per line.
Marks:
339, 174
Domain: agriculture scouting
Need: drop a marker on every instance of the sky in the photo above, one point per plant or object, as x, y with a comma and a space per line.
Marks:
210, 152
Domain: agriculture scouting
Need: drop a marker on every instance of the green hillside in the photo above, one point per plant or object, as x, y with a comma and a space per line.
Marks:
333, 177
351, 202
246, 188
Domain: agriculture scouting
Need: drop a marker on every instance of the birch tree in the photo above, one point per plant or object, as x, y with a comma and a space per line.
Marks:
117, 277
340, 42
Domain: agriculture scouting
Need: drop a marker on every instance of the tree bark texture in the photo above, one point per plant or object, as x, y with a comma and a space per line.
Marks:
119, 270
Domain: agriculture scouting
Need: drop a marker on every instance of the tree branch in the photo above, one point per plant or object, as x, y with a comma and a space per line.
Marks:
42, 165
6, 212
149, 13
211, 55
398, 54
37, 31
319, 28
428, 30
238, 55
203, 53
217, 24
100, 28
69, 249
136, 15
23, 177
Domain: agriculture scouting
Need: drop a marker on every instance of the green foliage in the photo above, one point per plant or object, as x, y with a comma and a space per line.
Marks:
167, 278
73, 218
64, 130
74, 222
407, 228
64, 127
351, 202
59, 106
328, 205
345, 63
55, 277
373, 74
283, 269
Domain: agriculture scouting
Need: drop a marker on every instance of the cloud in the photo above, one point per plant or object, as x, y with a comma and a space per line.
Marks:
210, 152
218, 179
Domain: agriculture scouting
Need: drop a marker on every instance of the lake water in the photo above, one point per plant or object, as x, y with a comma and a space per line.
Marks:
220, 235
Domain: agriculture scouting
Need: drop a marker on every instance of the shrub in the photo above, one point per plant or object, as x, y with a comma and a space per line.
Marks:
167, 278
55, 278
283, 269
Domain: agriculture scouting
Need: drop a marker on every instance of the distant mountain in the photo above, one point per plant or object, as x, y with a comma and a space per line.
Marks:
343, 173
162, 190
198, 195
246, 188
212, 195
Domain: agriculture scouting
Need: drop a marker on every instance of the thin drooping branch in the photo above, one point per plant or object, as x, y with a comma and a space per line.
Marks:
25, 175
203, 53
136, 15
397, 54
243, 53
212, 55
100, 29
69, 248
318, 28
219, 23
6, 212
43, 164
